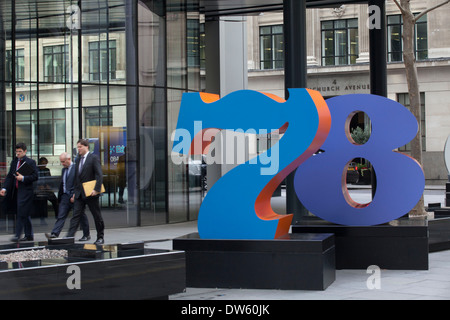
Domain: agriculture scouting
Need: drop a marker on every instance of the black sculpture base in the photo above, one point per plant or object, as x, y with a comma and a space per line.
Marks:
297, 262
439, 230
399, 245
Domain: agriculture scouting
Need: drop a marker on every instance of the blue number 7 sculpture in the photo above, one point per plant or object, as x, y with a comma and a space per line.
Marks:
238, 204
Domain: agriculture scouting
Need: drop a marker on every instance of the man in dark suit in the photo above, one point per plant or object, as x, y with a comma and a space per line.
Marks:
20, 192
65, 194
87, 168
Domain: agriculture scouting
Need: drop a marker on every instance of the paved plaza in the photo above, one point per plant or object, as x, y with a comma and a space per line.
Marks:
432, 284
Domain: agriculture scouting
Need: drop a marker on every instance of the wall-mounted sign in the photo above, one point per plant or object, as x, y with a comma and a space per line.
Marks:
26, 97
339, 85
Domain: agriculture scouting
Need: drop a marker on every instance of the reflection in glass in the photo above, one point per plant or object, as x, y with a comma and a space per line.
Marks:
101, 71
56, 63
102, 64
178, 177
176, 44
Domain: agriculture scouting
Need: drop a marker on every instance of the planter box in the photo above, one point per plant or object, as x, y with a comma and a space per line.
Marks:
104, 272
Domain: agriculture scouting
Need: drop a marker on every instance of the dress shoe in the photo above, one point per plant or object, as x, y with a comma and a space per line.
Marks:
51, 236
14, 239
85, 238
27, 239
99, 241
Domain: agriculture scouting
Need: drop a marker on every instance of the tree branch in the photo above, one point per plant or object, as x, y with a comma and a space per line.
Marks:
403, 11
428, 10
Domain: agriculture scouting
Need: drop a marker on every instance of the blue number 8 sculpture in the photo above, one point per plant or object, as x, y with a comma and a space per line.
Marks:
320, 182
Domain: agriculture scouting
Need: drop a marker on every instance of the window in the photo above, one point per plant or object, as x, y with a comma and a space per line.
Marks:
98, 117
271, 47
339, 42
56, 63
403, 98
202, 47
51, 138
395, 42
52, 131
193, 42
99, 68
19, 65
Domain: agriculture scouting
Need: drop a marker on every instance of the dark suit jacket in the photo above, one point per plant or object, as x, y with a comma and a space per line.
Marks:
92, 170
25, 190
70, 180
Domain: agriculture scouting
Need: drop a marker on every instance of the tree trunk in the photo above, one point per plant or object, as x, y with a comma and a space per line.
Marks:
413, 91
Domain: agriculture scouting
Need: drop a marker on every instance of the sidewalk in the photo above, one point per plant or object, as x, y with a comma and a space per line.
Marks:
433, 284
368, 186
158, 237
349, 284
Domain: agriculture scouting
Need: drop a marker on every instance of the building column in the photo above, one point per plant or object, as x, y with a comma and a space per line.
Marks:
363, 30
378, 61
226, 54
438, 30
295, 76
377, 50
312, 19
3, 133
133, 137
226, 71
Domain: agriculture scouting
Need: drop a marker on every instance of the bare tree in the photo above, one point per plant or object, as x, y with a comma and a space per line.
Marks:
409, 20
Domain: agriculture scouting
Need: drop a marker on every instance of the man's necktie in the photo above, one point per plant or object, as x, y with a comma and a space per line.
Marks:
66, 170
19, 163
81, 164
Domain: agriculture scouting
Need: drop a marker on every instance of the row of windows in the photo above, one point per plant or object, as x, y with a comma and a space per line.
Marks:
102, 62
50, 126
340, 42
51, 130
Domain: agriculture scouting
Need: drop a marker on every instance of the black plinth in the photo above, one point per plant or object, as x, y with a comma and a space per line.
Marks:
399, 245
439, 230
295, 262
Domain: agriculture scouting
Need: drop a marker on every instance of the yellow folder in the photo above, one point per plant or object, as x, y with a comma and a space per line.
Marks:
89, 187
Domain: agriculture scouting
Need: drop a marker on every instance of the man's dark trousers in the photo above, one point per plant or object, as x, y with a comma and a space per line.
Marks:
89, 171
64, 208
23, 220
93, 204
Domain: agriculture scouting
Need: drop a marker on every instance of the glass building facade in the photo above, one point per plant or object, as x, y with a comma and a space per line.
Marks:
111, 71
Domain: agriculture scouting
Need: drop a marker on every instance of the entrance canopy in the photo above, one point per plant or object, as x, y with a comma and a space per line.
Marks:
242, 7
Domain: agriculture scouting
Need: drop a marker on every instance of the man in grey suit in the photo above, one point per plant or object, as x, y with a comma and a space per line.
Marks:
87, 168
65, 195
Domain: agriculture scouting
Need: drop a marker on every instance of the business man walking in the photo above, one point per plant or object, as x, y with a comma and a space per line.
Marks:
87, 168
65, 199
20, 191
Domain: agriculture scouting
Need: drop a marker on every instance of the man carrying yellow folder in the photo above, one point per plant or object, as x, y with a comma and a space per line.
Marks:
87, 189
